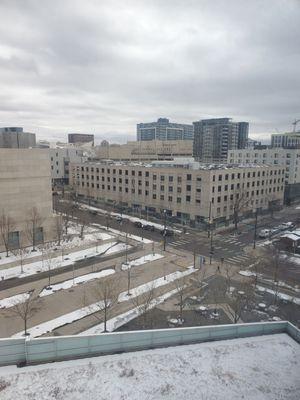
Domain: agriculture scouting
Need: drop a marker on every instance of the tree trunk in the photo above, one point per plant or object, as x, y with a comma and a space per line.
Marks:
105, 319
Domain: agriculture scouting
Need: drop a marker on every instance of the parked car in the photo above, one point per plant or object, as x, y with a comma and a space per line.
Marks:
149, 227
93, 212
288, 225
138, 224
167, 232
264, 233
119, 218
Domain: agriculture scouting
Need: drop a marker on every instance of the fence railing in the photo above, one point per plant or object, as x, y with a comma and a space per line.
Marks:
38, 350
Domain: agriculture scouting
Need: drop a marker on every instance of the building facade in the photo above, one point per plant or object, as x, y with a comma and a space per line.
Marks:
25, 186
60, 158
145, 150
190, 191
16, 138
289, 159
289, 140
214, 137
163, 129
80, 138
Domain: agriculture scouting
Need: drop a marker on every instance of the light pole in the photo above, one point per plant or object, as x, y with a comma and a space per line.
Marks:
211, 246
255, 230
165, 226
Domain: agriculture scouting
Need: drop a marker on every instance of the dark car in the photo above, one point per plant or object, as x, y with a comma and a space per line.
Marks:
167, 232
93, 212
149, 227
138, 224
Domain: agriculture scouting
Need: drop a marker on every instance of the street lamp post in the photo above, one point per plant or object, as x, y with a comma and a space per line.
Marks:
165, 226
255, 231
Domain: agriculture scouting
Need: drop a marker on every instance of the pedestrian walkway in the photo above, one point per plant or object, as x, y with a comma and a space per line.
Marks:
238, 260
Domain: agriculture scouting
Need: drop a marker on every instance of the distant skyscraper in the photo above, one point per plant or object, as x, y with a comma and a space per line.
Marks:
163, 129
80, 138
214, 137
15, 138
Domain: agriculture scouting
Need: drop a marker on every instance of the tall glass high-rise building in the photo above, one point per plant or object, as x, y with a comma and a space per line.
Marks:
163, 129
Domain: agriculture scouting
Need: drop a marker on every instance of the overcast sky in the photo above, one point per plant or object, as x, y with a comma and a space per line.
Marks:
103, 66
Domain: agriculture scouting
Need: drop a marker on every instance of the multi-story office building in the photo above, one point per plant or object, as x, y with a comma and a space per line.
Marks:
289, 140
214, 137
77, 138
60, 158
145, 150
191, 191
163, 129
25, 185
16, 138
287, 158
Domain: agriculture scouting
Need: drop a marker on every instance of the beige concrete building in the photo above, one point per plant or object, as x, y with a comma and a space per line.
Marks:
188, 190
25, 185
145, 150
289, 159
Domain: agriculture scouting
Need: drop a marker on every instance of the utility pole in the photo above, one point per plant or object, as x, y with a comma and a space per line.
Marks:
209, 220
128, 279
126, 246
255, 231
211, 246
165, 225
194, 257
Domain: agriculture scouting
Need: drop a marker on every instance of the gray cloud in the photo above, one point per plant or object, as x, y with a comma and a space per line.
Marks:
104, 66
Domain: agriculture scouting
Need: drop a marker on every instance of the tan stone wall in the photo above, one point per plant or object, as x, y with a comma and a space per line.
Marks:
146, 150
25, 182
198, 190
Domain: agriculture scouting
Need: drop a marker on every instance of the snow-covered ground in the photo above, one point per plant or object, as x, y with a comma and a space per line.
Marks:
280, 295
62, 320
146, 287
57, 262
125, 216
76, 281
257, 368
49, 326
66, 244
142, 260
122, 319
14, 300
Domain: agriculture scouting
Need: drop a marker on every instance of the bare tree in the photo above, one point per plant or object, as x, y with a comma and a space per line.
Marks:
240, 202
180, 287
59, 229
24, 310
21, 253
7, 226
50, 261
144, 303
34, 221
229, 274
83, 223
104, 296
67, 215
240, 301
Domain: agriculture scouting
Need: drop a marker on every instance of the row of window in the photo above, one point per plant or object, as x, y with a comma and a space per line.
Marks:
248, 194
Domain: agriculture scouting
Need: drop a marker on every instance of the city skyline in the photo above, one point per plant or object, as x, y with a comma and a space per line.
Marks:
101, 69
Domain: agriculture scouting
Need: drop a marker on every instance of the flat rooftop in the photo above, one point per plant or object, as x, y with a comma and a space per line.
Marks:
257, 368
190, 165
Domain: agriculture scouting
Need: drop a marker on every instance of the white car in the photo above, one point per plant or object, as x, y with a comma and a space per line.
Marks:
264, 233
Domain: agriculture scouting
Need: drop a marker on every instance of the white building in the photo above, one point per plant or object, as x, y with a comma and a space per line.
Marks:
60, 158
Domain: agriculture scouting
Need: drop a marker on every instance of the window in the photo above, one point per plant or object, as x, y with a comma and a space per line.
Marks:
140, 173
179, 179
178, 200
162, 188
120, 172
162, 178
39, 235
146, 192
126, 171
147, 174
188, 199
226, 177
154, 187
220, 177
13, 240
219, 188
214, 178
179, 190
226, 187
219, 199
170, 198
132, 173
188, 188
154, 196
147, 183
154, 177
232, 176
189, 177
170, 178
162, 197
170, 188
